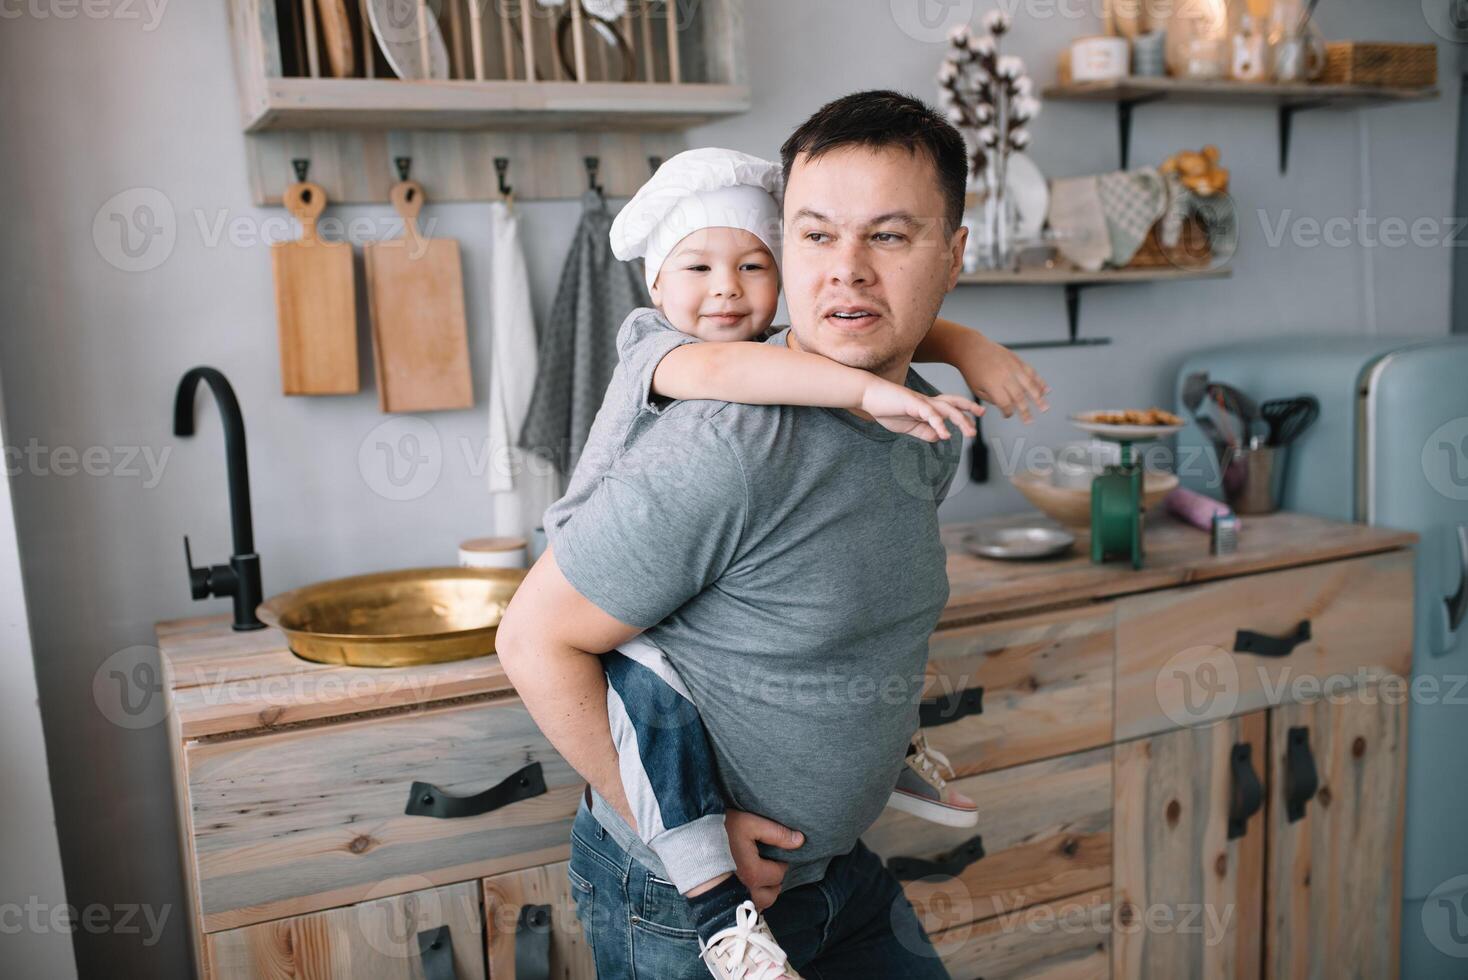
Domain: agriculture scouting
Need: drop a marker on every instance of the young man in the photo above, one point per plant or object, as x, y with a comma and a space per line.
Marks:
786, 560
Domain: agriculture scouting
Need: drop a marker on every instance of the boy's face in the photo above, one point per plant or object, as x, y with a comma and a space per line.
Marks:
719, 284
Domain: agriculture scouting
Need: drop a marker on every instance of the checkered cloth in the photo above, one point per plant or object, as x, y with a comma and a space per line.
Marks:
1132, 201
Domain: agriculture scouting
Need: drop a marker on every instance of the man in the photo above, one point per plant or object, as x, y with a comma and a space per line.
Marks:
787, 562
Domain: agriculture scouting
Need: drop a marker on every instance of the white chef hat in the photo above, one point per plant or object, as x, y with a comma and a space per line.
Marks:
703, 188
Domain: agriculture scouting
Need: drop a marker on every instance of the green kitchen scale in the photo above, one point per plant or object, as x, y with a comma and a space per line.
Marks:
1116, 492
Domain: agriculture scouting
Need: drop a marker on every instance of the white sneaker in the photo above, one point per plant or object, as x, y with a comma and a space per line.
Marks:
922, 789
747, 950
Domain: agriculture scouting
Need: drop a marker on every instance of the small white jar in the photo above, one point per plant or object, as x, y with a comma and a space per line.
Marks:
508, 552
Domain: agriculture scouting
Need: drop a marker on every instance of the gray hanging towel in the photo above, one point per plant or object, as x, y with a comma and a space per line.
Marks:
578, 343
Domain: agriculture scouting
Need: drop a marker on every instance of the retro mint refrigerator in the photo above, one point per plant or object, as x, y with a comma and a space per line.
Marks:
1390, 448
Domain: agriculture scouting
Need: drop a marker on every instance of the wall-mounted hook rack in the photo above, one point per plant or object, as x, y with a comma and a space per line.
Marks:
501, 168
593, 165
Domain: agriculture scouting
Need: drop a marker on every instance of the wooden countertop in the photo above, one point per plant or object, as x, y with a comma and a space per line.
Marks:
222, 682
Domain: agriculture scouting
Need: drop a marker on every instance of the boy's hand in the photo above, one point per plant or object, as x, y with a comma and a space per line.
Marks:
1001, 377
760, 875
899, 409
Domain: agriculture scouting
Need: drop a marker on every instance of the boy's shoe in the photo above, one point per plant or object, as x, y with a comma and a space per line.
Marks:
747, 950
922, 788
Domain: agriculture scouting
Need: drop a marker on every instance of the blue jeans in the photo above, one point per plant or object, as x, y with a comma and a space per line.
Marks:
853, 923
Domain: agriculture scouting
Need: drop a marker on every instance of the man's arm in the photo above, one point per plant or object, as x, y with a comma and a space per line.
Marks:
548, 643
992, 371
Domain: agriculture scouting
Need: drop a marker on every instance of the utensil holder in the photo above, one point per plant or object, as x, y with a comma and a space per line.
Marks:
1253, 478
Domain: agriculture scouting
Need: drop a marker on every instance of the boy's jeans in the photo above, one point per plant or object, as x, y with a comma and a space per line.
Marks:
853, 923
667, 766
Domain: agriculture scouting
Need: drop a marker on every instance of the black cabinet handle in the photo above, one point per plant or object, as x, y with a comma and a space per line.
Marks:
427, 800
532, 943
1246, 793
949, 864
1263, 645
1301, 779
436, 953
951, 707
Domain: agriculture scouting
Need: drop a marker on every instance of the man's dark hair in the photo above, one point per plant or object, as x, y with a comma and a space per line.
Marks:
879, 119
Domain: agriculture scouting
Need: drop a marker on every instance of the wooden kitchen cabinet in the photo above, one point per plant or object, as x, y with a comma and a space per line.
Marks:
395, 938
532, 914
1071, 704
1189, 846
1335, 856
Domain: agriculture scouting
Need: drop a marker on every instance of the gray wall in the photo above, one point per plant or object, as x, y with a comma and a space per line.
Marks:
90, 353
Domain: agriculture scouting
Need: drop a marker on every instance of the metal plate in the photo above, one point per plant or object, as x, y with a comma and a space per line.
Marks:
394, 619
1020, 542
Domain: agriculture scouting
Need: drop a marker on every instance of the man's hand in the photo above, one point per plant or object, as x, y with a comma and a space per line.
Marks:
1001, 377
904, 411
761, 876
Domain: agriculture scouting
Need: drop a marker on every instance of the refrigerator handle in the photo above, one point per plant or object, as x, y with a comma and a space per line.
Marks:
1458, 602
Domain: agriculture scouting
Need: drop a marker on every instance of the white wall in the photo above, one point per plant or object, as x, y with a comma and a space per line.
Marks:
91, 354
34, 943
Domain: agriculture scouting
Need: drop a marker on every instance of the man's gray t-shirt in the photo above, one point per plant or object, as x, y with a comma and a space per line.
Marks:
786, 560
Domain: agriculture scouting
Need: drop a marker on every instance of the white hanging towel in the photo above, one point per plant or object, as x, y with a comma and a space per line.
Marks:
513, 368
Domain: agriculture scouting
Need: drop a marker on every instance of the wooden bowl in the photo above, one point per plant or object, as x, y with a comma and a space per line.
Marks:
1071, 506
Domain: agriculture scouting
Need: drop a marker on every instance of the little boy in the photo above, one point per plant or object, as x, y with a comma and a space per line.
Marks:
707, 227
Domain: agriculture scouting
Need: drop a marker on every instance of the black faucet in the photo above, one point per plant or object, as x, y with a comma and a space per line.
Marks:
239, 579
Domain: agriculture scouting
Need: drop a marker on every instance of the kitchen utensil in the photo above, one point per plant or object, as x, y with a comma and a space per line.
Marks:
613, 52
1071, 506
395, 619
1117, 499
415, 291
336, 30
1253, 478
1195, 508
315, 303
1288, 418
408, 33
1020, 542
1195, 386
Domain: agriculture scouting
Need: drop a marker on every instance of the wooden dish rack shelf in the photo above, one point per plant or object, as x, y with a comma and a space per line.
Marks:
542, 86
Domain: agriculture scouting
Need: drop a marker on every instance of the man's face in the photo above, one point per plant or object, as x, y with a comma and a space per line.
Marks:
867, 261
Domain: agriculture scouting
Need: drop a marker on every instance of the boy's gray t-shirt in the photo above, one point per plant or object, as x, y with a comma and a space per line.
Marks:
644, 339
786, 560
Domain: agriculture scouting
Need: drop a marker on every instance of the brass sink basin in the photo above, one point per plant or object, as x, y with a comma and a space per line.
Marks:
395, 619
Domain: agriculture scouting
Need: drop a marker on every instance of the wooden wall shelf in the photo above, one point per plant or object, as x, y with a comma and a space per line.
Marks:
377, 103
1287, 99
512, 90
1074, 280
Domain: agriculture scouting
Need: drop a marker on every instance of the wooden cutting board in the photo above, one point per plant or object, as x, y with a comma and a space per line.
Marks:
415, 292
315, 304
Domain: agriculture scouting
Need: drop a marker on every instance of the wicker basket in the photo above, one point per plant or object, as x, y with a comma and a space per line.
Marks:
1380, 63
1191, 251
